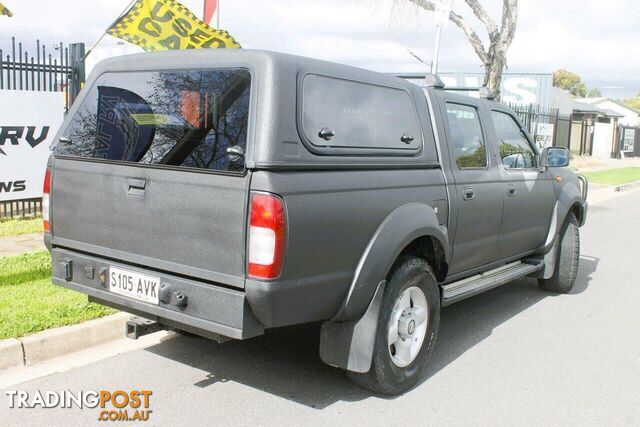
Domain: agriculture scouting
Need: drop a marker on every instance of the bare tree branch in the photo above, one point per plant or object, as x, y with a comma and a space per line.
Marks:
494, 58
475, 41
509, 21
484, 17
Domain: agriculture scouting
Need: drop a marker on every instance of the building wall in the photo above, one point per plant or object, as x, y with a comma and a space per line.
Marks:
602, 139
576, 135
562, 100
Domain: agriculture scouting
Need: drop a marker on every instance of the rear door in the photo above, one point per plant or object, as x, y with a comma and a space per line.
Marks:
528, 192
477, 184
142, 176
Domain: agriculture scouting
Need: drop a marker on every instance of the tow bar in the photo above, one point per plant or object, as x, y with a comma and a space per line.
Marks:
139, 326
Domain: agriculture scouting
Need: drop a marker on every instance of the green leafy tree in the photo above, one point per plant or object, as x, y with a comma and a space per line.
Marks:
633, 102
570, 81
594, 93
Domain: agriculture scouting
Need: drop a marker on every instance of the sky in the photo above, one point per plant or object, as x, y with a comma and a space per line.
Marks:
599, 40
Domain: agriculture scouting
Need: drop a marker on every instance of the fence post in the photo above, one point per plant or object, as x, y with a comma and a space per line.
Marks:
76, 60
556, 122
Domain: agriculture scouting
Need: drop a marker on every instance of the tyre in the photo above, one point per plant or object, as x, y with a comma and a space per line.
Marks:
567, 259
407, 328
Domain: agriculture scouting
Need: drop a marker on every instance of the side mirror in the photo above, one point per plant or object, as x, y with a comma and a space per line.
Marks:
554, 157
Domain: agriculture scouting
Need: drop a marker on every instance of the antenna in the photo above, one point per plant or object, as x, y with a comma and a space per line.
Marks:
611, 88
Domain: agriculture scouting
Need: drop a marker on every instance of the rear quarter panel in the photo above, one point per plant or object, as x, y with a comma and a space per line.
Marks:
331, 217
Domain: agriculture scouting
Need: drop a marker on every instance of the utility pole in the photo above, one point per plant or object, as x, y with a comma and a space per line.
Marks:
436, 51
441, 19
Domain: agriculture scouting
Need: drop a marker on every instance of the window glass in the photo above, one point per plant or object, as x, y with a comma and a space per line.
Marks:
515, 150
177, 118
466, 136
347, 114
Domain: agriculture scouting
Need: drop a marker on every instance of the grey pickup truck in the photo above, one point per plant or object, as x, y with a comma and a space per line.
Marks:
224, 192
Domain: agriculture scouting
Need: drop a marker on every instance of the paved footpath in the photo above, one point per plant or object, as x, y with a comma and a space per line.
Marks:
512, 356
17, 245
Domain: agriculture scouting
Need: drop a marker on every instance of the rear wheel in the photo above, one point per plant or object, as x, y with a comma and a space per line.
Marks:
567, 259
407, 328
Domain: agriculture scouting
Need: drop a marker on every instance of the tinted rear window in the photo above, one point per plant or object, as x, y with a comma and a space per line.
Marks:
175, 118
360, 115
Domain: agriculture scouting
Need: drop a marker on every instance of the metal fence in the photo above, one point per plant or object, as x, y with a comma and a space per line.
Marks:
20, 208
58, 70
44, 71
546, 125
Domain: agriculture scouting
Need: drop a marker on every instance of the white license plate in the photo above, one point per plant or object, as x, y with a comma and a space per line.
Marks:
134, 285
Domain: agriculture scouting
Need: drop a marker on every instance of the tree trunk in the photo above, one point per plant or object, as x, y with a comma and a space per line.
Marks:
495, 59
494, 67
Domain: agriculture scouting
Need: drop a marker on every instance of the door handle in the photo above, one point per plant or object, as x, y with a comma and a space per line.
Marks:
136, 187
468, 193
511, 190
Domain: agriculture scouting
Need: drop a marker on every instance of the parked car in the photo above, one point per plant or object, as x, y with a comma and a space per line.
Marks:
226, 192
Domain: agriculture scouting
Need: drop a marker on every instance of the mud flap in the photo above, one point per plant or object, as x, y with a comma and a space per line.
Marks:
549, 261
349, 345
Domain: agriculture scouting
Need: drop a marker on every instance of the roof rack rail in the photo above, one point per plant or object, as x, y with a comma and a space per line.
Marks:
431, 80
484, 92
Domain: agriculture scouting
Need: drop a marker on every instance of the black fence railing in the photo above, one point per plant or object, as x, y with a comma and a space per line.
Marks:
20, 208
56, 68
44, 71
546, 125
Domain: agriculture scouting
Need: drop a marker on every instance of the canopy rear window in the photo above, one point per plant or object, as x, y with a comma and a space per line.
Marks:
174, 118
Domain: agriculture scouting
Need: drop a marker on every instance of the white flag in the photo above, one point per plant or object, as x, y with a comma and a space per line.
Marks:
441, 14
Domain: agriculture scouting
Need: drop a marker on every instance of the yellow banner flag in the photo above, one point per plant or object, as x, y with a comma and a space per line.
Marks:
5, 11
166, 24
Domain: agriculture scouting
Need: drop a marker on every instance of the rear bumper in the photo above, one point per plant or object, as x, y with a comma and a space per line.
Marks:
211, 310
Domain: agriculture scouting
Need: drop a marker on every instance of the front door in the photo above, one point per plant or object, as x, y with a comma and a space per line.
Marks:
528, 192
477, 186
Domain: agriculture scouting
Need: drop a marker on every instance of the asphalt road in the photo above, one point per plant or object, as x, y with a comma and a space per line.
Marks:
514, 355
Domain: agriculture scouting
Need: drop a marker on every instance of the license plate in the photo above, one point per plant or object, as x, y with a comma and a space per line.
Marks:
134, 285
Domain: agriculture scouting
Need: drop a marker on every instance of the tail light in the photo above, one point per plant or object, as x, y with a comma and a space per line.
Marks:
45, 201
267, 236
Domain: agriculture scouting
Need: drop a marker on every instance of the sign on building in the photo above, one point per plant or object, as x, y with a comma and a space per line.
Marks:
28, 122
516, 88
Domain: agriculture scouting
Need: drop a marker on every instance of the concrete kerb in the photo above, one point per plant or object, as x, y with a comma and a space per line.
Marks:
611, 192
11, 353
56, 342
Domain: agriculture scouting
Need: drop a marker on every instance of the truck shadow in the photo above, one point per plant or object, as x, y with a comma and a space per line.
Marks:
285, 363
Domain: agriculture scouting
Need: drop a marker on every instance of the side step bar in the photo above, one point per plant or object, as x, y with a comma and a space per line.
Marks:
465, 288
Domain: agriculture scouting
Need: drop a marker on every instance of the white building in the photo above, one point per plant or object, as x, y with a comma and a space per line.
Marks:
599, 127
630, 116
